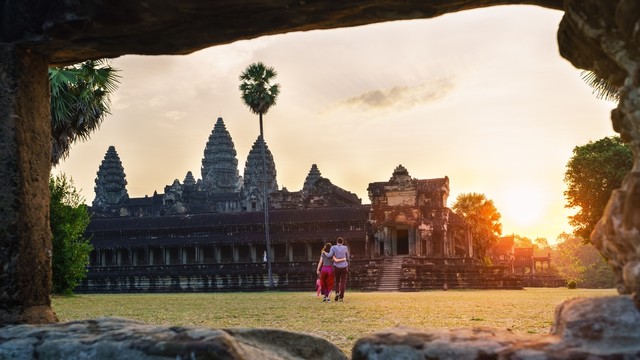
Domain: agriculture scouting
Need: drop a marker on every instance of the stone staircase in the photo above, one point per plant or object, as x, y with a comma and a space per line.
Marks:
390, 274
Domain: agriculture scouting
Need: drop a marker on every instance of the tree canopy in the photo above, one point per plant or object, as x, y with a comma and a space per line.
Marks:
257, 91
540, 245
481, 215
593, 172
575, 260
79, 103
69, 218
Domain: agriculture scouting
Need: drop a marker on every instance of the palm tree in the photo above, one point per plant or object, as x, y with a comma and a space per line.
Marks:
601, 88
79, 103
483, 219
259, 95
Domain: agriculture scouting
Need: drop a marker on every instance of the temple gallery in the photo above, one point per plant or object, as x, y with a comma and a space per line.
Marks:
208, 234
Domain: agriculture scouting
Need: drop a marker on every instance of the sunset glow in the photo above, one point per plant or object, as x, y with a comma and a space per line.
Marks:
524, 204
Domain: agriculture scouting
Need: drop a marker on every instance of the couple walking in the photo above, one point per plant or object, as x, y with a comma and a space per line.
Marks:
333, 264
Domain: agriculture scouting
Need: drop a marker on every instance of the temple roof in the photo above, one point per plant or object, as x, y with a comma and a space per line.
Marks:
433, 184
145, 201
424, 185
208, 220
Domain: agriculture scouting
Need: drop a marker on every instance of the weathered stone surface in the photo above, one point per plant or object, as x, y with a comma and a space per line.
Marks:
464, 343
112, 338
600, 328
617, 235
603, 36
25, 148
598, 319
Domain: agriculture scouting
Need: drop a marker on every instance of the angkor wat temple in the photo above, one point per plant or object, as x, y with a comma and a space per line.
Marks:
208, 234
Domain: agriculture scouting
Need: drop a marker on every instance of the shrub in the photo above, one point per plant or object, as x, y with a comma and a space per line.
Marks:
69, 218
572, 284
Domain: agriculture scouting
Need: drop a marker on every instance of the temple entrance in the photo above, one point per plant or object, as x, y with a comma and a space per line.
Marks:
402, 242
438, 243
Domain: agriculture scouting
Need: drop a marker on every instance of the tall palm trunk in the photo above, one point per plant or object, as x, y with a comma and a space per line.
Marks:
266, 206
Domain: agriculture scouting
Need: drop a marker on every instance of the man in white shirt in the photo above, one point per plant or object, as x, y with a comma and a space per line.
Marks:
340, 269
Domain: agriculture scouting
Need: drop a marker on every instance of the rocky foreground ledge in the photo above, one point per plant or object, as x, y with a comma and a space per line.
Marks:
593, 328
113, 338
587, 328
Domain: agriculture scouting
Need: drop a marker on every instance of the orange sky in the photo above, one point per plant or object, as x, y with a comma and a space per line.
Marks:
480, 96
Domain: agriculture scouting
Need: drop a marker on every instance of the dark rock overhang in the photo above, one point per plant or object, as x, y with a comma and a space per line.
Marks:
73, 31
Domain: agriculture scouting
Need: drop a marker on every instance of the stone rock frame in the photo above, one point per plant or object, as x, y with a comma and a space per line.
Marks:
602, 36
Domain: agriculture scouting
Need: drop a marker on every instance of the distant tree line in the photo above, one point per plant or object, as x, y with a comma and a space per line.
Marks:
571, 259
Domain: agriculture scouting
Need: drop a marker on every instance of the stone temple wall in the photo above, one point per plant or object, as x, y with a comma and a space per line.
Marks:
298, 276
288, 276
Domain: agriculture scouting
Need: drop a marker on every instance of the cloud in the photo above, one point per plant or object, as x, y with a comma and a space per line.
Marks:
171, 119
400, 97
175, 115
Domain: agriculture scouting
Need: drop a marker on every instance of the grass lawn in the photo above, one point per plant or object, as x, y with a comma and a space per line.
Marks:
522, 311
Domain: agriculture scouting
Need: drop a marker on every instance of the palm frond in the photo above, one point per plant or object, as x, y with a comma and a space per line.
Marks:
601, 88
79, 102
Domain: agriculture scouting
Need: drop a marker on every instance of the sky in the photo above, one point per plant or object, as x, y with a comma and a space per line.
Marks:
480, 96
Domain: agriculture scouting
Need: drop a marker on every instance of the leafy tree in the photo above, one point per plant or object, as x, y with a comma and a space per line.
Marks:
69, 218
483, 219
541, 247
575, 260
521, 241
593, 172
565, 259
259, 95
79, 103
597, 273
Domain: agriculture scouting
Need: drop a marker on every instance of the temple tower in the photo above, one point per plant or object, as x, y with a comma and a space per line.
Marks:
220, 165
111, 190
189, 180
310, 180
253, 185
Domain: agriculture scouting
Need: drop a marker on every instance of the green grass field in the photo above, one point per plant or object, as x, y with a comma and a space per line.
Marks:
522, 311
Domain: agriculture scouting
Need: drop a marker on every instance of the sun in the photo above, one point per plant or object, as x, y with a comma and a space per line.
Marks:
523, 204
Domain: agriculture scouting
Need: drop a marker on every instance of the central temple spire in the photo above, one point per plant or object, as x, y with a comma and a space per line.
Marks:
220, 165
111, 185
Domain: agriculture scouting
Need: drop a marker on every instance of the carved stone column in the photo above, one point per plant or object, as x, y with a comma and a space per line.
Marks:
25, 147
